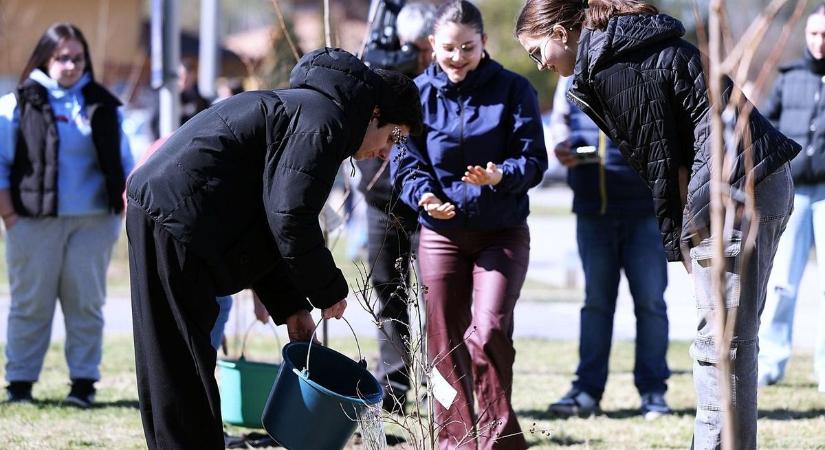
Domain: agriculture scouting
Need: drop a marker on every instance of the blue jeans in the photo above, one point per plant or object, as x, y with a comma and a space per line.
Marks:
216, 335
806, 227
746, 282
608, 244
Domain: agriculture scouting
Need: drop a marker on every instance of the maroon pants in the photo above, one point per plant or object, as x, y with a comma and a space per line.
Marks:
473, 279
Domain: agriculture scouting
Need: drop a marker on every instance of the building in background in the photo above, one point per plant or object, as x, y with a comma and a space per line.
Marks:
110, 27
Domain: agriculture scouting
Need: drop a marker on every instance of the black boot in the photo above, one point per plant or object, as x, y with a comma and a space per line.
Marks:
19, 391
82, 393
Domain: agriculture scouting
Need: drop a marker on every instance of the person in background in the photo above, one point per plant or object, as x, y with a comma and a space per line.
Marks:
227, 87
468, 174
191, 101
414, 26
231, 201
615, 230
644, 86
391, 226
63, 165
796, 108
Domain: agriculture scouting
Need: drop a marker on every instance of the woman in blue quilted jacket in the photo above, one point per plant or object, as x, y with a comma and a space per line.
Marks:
644, 85
468, 175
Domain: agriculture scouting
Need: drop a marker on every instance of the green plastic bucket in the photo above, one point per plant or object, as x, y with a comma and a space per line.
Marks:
244, 388
317, 399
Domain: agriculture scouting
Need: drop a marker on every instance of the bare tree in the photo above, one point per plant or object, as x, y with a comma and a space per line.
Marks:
729, 128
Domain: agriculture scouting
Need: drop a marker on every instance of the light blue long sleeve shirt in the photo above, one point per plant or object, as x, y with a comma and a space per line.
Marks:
81, 185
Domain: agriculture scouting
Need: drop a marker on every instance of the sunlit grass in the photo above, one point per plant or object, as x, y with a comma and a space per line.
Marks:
792, 414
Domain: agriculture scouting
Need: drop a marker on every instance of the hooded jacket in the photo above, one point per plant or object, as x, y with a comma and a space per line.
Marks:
645, 88
797, 108
242, 183
492, 115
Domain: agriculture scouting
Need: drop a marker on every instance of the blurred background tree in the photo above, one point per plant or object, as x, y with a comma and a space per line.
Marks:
499, 16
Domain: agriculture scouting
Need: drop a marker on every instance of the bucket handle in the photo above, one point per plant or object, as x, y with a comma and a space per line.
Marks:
361, 359
246, 336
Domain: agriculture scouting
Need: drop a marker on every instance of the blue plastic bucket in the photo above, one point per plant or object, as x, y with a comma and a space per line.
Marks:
319, 408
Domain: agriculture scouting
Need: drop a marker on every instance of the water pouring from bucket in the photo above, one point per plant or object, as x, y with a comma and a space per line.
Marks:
319, 397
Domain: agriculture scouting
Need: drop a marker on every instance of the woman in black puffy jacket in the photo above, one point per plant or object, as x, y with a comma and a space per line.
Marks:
644, 86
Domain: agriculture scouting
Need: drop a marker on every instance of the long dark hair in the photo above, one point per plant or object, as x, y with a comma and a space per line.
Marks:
538, 17
48, 43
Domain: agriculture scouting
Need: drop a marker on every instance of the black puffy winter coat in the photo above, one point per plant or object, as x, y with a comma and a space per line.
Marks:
797, 108
645, 87
241, 184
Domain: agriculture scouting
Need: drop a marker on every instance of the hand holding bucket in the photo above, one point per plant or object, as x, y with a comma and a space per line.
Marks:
301, 327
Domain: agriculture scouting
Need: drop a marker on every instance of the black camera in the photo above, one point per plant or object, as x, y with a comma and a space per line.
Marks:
383, 49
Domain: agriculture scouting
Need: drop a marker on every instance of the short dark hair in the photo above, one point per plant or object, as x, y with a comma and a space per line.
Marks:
48, 43
401, 102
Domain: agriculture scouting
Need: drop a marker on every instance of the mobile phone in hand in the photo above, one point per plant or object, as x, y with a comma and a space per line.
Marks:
588, 154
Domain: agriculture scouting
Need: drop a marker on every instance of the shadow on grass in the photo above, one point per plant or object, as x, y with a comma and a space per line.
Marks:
395, 440
565, 440
130, 404
631, 413
625, 413
789, 414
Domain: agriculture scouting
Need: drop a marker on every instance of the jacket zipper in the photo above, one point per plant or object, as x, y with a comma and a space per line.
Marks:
602, 176
584, 106
461, 145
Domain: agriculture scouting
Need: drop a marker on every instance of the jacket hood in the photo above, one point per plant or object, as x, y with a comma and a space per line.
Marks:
624, 34
56, 90
807, 62
487, 69
347, 82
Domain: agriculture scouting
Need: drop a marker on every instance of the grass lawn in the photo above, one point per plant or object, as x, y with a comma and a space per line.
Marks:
792, 414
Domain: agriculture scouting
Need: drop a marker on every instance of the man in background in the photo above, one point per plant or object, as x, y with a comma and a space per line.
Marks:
616, 230
391, 231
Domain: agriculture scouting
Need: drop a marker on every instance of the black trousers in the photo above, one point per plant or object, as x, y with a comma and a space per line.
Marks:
390, 238
173, 311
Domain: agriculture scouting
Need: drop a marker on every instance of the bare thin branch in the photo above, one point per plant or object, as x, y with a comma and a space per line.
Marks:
295, 53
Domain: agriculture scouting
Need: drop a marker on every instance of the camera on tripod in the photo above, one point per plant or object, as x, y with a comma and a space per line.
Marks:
382, 48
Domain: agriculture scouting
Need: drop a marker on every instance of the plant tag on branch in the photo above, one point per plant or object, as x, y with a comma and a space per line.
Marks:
442, 391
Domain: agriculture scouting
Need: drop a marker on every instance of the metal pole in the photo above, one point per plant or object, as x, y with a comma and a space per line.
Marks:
208, 56
169, 47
